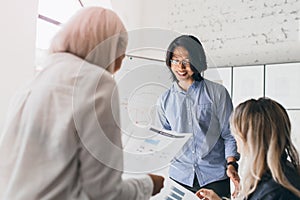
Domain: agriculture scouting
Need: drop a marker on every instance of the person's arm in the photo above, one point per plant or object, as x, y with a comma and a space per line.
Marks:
232, 173
96, 116
224, 110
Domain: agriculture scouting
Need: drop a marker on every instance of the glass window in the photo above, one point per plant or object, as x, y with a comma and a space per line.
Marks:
282, 84
247, 83
52, 13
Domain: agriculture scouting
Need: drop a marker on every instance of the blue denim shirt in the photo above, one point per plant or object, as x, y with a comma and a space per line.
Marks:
204, 110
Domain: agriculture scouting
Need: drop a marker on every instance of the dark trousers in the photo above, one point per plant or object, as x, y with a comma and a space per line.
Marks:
222, 188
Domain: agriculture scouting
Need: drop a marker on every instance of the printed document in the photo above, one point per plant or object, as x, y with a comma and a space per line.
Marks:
150, 149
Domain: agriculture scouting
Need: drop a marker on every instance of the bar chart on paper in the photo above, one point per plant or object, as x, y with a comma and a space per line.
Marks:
175, 194
150, 149
174, 191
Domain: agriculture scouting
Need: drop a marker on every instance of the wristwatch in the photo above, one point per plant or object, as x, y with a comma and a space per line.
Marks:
234, 164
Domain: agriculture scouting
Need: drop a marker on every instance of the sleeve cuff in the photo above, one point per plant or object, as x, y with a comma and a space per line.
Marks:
147, 185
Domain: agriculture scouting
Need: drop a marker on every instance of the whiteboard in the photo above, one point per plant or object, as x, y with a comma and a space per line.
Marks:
140, 83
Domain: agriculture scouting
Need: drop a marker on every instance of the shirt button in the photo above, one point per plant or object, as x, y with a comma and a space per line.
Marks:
190, 123
195, 165
193, 151
193, 169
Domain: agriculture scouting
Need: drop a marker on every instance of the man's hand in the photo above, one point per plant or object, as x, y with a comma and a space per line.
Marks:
234, 177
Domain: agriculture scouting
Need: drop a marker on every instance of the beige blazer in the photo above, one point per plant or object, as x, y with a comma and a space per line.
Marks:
62, 137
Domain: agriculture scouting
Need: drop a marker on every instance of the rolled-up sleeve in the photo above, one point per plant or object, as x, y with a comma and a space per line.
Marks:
224, 111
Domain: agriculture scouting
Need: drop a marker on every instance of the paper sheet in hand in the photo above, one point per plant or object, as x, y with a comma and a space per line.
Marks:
174, 191
150, 149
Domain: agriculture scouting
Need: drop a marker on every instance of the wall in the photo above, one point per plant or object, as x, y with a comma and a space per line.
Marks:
18, 25
242, 32
130, 12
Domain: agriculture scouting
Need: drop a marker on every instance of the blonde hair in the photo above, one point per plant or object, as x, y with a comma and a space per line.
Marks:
94, 34
264, 129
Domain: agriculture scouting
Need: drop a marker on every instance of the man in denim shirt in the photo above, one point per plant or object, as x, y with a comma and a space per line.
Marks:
201, 107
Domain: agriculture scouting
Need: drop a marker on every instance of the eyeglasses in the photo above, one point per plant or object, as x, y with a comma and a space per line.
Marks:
177, 62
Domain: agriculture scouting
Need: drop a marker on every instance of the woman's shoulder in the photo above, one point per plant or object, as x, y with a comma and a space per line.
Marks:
269, 189
292, 174
283, 194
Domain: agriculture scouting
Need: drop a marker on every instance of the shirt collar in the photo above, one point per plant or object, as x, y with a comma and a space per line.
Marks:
177, 88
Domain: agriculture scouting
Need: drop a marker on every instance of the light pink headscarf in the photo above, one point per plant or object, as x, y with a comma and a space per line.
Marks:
94, 34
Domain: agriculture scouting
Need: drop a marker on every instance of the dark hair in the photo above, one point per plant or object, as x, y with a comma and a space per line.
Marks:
196, 54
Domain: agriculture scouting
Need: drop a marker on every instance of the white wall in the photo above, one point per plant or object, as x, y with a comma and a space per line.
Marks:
237, 33
147, 24
243, 32
130, 12
141, 14
17, 49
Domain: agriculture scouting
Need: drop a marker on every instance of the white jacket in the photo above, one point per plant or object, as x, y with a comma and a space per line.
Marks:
62, 137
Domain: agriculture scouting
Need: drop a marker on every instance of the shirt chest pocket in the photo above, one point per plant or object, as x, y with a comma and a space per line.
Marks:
203, 115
